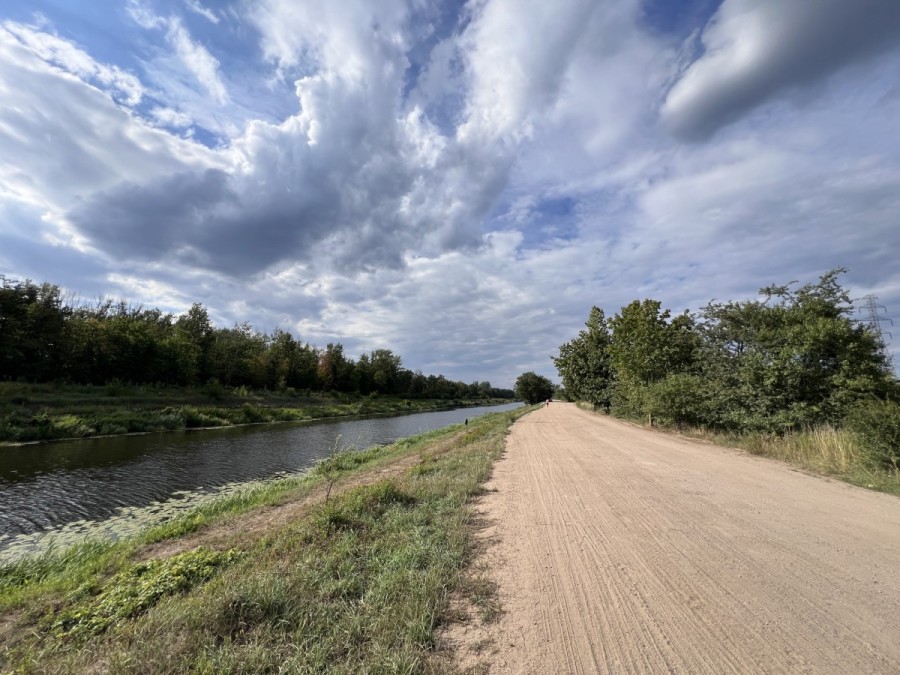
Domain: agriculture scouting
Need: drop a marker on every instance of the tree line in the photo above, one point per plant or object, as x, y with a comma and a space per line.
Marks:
45, 337
791, 360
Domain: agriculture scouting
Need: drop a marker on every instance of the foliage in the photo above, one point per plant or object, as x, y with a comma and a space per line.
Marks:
46, 412
679, 399
584, 363
877, 424
46, 336
533, 388
792, 360
138, 588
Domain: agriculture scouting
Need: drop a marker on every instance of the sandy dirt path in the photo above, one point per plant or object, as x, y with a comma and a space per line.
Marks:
617, 549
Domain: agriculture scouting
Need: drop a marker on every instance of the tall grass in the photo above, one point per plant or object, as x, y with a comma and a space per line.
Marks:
357, 585
826, 450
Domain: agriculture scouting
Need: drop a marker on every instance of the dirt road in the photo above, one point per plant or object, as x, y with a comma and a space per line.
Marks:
618, 549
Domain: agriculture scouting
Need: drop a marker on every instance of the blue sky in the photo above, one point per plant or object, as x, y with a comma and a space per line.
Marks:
456, 181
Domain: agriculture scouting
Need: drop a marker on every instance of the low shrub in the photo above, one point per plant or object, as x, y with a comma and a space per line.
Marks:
877, 425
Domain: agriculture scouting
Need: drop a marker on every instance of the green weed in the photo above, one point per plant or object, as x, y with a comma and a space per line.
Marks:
136, 589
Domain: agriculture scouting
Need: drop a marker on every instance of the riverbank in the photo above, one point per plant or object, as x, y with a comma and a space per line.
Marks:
31, 413
350, 568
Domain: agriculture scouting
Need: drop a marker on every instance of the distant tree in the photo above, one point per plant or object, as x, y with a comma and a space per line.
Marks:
335, 370
195, 336
44, 337
533, 388
33, 330
386, 367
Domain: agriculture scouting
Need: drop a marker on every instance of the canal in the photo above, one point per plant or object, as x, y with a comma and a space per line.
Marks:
115, 485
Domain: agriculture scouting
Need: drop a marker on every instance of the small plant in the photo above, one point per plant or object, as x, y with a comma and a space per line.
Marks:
332, 466
135, 590
117, 388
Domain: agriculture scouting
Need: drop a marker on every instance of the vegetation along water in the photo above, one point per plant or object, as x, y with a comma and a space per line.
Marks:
57, 493
348, 569
76, 369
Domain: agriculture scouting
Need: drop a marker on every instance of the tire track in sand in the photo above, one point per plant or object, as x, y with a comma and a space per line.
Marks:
618, 549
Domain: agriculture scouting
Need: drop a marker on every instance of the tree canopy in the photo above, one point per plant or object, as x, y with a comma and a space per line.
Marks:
791, 359
44, 337
533, 388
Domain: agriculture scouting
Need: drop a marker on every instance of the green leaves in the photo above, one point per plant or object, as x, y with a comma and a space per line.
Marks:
533, 388
791, 360
584, 363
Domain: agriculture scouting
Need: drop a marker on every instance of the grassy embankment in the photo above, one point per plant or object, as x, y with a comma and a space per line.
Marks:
47, 412
825, 450
354, 582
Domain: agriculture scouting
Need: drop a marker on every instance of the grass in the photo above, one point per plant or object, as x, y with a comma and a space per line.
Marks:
41, 412
358, 584
826, 450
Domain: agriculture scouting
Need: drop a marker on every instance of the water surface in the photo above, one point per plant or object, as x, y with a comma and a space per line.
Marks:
69, 486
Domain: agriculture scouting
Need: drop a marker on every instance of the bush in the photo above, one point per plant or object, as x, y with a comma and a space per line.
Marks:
877, 425
678, 399
214, 389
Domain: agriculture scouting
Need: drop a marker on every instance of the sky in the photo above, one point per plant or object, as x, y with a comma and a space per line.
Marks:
458, 182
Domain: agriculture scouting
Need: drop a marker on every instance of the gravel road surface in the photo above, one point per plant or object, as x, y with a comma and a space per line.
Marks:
622, 550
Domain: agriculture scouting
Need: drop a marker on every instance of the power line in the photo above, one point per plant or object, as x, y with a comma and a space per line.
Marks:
871, 310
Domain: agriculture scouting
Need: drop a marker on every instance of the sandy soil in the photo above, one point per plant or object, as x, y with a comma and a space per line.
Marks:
618, 549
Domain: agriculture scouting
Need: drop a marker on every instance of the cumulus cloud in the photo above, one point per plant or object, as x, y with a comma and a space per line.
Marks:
62, 137
171, 118
517, 55
754, 50
360, 176
461, 195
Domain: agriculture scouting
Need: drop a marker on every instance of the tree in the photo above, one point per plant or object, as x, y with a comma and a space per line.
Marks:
533, 388
645, 346
793, 359
195, 335
386, 368
584, 363
335, 370
644, 349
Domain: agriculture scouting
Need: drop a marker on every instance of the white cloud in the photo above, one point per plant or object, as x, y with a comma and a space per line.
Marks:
517, 54
171, 118
403, 205
205, 12
194, 57
121, 85
756, 49
198, 60
63, 138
